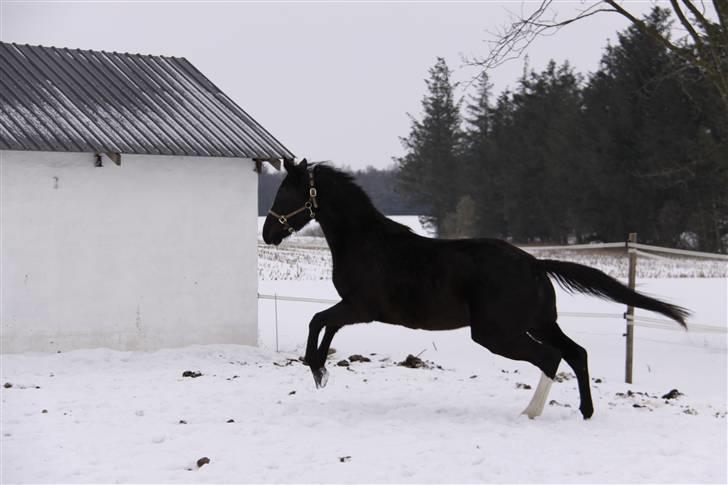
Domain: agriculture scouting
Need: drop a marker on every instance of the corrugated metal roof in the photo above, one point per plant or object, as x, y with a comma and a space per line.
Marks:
73, 100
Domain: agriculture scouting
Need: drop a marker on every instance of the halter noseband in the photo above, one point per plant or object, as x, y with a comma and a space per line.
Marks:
310, 205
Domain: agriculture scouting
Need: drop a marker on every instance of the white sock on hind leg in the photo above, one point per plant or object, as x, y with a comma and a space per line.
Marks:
538, 401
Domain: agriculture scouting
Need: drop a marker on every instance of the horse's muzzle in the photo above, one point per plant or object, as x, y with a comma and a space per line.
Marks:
271, 233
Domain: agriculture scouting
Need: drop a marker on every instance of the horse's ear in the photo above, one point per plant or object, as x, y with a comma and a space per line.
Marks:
303, 165
288, 164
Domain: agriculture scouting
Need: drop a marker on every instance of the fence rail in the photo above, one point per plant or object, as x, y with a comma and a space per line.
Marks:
614, 245
681, 252
630, 246
633, 250
638, 321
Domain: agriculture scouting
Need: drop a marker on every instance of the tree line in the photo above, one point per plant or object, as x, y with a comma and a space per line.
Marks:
640, 145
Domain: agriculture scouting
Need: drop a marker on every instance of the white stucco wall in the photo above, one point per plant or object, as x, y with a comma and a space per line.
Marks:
159, 252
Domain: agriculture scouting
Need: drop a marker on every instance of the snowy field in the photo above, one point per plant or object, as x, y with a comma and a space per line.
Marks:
98, 415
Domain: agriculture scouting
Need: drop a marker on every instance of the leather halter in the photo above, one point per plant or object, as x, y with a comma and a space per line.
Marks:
310, 205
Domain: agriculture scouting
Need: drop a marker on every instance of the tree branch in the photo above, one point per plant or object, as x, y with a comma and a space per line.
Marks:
721, 8
686, 23
707, 51
512, 41
659, 37
697, 14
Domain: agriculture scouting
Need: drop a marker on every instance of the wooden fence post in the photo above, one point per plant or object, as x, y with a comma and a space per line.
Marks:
275, 303
629, 316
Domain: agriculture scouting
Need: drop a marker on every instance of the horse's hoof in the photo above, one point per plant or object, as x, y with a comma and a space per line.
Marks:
530, 414
320, 377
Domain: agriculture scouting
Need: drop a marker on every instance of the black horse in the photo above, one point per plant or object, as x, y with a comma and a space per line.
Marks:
384, 272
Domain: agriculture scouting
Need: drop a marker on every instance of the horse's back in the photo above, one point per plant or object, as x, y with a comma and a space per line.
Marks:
435, 284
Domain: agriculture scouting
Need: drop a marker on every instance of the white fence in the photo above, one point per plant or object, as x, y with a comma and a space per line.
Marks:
638, 321
633, 249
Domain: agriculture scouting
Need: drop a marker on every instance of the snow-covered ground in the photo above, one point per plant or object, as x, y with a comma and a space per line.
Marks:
108, 416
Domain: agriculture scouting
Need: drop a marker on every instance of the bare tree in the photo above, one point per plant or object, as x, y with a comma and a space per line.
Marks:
704, 45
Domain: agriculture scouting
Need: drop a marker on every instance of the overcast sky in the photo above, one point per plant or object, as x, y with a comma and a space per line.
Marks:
332, 81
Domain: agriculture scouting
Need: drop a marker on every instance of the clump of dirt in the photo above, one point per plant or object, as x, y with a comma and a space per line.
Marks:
673, 394
344, 459
564, 376
202, 461
9, 385
359, 358
521, 385
413, 362
192, 374
554, 402
343, 363
635, 393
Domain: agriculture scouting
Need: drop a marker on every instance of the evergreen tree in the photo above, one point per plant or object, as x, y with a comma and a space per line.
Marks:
535, 148
429, 170
642, 147
660, 154
483, 180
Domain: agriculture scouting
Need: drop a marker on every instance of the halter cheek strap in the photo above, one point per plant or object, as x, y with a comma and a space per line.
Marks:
310, 205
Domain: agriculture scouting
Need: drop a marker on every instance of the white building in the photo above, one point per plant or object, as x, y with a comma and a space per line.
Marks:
128, 203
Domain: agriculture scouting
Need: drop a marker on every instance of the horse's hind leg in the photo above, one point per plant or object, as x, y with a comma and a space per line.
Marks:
527, 348
538, 400
576, 357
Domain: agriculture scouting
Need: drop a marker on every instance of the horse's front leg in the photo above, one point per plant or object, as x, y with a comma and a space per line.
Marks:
320, 374
332, 319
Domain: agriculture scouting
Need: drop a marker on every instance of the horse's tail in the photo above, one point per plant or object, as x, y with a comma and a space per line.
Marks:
579, 278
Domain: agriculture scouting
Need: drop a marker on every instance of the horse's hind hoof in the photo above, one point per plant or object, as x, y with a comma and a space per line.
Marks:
587, 413
320, 377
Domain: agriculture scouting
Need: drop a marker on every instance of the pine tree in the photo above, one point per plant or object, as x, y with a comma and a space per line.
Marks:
659, 143
534, 156
483, 173
429, 170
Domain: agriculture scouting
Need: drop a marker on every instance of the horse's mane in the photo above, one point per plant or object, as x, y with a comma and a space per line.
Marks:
353, 199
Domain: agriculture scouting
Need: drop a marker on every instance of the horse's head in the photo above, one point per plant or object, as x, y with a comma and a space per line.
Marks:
293, 206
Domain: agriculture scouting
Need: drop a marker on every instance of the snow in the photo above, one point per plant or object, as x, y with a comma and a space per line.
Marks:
115, 416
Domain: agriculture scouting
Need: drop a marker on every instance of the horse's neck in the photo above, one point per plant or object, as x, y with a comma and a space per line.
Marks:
346, 221
345, 230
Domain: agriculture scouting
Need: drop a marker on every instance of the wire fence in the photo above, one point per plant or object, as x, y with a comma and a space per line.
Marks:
643, 250
632, 247
634, 250
638, 320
